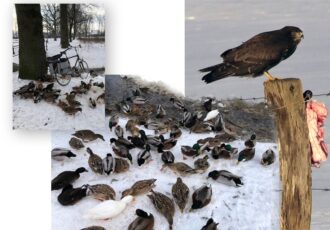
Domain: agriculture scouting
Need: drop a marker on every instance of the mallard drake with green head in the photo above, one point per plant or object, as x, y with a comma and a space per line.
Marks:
140, 187
76, 143
223, 151
201, 164
181, 168
226, 177
143, 221
60, 154
95, 162
70, 195
101, 192
268, 157
210, 225
120, 141
180, 192
137, 141
246, 154
87, 135
201, 197
164, 205
119, 131
66, 178
144, 156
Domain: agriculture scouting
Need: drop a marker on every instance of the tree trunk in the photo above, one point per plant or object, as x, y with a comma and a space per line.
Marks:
32, 55
64, 25
55, 31
285, 97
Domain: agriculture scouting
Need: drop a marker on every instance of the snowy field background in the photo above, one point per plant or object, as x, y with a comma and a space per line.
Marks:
252, 206
214, 26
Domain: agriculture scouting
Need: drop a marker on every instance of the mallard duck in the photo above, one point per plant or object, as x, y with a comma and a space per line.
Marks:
160, 111
140, 187
226, 177
70, 195
177, 103
201, 197
100, 97
50, 96
189, 119
101, 192
137, 100
219, 123
201, 127
154, 141
62, 104
180, 192
167, 144
108, 209
137, 92
61, 154
99, 84
190, 151
246, 154
119, 131
144, 221
136, 141
164, 205
87, 135
66, 178
95, 162
76, 143
71, 110
175, 132
94, 227
121, 150
225, 137
201, 164
251, 142
92, 103
25, 88
126, 108
212, 141
268, 157
153, 125
181, 168
71, 99
208, 104
210, 225
144, 156
211, 115
120, 141
113, 121
108, 164
224, 151
167, 157
121, 165
130, 124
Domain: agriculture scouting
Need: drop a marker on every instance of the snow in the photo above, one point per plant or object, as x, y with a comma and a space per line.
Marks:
43, 115
252, 206
93, 53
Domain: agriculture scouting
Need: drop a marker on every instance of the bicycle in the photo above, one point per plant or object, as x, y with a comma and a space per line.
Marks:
61, 70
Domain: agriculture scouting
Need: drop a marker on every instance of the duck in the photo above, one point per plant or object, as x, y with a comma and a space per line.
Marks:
62, 104
101, 192
70, 98
154, 141
167, 144
109, 208
246, 154
177, 103
181, 168
164, 205
226, 177
70, 195
153, 125
208, 104
195, 150
130, 126
126, 108
251, 142
201, 164
167, 157
99, 84
119, 131
121, 165
189, 119
219, 123
140, 187
94, 227
175, 132
120, 141
160, 111
144, 155
211, 115
61, 154
201, 197
50, 97
180, 193
76, 143
113, 121
67, 177
87, 135
71, 110
92, 103
268, 157
25, 88
143, 221
225, 136
136, 141
212, 141
108, 164
137, 100
137, 92
100, 97
121, 150
201, 127
210, 225
95, 162
223, 151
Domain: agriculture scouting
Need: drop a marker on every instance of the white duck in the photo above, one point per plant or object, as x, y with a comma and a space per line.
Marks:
109, 209
212, 114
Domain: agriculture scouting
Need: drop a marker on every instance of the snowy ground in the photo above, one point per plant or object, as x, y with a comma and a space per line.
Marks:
215, 26
43, 115
253, 206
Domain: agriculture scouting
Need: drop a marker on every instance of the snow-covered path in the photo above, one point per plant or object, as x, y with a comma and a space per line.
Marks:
252, 206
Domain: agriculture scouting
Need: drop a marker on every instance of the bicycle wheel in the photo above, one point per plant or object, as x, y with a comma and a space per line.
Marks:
83, 69
62, 79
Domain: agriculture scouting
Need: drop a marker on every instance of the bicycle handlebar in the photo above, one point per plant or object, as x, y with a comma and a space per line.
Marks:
70, 47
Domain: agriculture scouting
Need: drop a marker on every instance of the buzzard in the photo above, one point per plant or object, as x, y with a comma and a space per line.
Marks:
257, 55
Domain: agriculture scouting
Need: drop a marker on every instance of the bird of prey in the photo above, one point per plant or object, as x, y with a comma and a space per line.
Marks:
257, 55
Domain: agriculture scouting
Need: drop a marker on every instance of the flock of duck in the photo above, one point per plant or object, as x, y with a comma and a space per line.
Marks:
37, 92
120, 159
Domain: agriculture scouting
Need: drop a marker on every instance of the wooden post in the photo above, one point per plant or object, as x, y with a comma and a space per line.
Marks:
286, 100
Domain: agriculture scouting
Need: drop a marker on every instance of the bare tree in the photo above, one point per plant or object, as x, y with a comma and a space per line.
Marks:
64, 25
32, 55
51, 18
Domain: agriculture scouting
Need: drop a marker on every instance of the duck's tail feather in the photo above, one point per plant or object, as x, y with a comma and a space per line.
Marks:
216, 72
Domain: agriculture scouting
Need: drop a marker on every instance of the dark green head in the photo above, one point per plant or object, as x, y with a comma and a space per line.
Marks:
81, 170
71, 154
228, 147
214, 174
196, 147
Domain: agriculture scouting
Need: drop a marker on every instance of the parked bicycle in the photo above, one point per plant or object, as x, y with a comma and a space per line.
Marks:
61, 70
